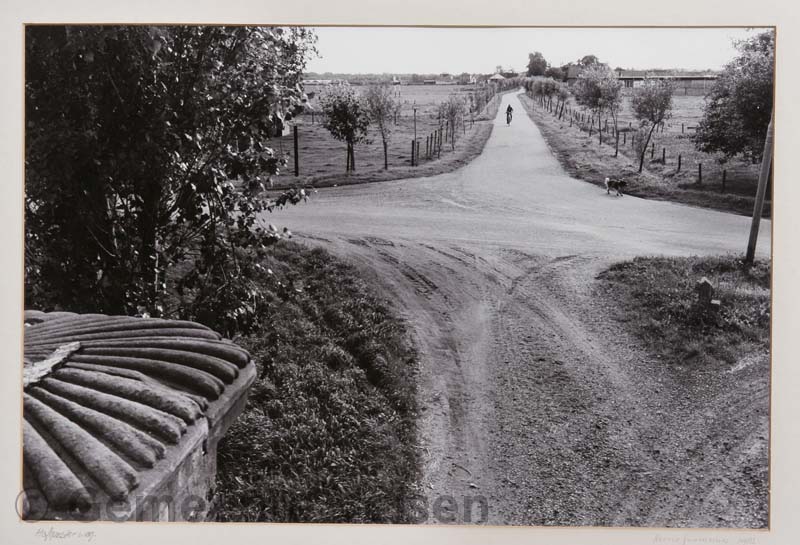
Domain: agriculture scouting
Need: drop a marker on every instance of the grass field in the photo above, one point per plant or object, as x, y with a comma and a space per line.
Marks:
322, 158
328, 433
687, 111
584, 158
658, 299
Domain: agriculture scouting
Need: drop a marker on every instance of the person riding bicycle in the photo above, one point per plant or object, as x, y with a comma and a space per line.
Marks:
509, 111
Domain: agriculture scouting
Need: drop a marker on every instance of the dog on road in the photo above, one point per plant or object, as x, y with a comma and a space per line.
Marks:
616, 185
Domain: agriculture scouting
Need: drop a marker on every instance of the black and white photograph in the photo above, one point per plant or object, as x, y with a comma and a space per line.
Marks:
405, 275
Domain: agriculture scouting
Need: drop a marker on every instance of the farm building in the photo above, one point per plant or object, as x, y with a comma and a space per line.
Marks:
574, 71
687, 83
696, 83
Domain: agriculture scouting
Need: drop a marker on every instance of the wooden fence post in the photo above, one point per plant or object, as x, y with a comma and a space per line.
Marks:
624, 138
679, 162
296, 153
699, 173
766, 163
413, 144
664, 156
652, 150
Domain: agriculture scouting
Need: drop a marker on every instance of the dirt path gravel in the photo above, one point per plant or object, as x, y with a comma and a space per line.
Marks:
530, 396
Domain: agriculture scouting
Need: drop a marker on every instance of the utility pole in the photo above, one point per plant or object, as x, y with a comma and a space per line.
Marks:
763, 177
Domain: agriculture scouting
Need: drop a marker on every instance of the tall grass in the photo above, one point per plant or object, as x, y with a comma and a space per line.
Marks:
328, 431
658, 300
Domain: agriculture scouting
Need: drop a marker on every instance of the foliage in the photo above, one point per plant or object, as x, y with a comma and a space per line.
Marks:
381, 107
588, 60
599, 90
328, 433
136, 140
652, 105
545, 88
657, 296
558, 74
740, 102
452, 111
347, 119
537, 65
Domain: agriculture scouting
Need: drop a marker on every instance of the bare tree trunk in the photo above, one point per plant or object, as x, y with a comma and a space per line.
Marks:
644, 148
385, 155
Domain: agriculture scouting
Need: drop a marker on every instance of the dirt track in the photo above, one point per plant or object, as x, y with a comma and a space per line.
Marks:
530, 396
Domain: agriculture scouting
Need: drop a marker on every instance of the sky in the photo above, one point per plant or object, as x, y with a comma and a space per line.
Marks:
480, 50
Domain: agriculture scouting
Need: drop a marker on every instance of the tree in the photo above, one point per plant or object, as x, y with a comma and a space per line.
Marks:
346, 118
381, 108
563, 95
556, 73
599, 90
739, 105
452, 111
652, 106
536, 64
147, 147
588, 60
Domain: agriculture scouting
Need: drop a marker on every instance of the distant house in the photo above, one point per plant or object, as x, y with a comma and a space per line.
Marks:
429, 82
497, 77
574, 71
